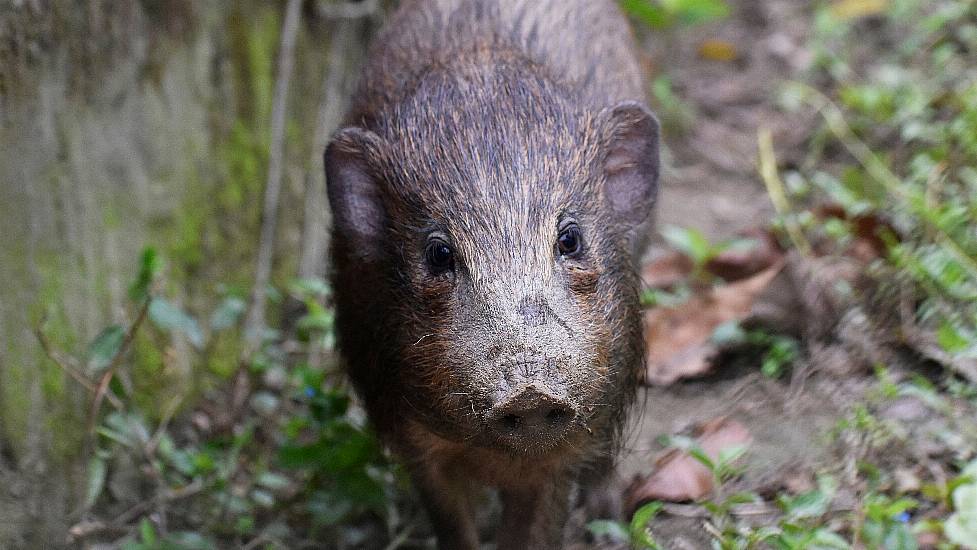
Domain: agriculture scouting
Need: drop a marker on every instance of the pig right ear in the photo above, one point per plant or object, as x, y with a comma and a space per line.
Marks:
354, 190
631, 162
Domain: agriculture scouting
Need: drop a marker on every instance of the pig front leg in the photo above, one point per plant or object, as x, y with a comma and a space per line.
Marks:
533, 517
447, 497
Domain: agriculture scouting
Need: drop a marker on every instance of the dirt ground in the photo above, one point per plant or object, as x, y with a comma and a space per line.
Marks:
711, 182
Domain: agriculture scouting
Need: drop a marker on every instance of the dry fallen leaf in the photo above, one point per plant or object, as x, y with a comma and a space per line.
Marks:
718, 50
737, 263
867, 229
679, 477
666, 270
853, 9
678, 338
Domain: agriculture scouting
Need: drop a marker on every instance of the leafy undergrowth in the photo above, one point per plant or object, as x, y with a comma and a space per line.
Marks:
880, 495
276, 457
876, 229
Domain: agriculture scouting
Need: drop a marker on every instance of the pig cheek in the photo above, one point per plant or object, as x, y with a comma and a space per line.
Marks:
592, 375
437, 364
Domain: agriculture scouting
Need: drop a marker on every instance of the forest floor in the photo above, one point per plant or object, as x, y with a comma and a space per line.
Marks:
723, 81
712, 184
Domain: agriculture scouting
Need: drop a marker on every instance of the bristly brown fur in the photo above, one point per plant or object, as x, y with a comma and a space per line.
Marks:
490, 125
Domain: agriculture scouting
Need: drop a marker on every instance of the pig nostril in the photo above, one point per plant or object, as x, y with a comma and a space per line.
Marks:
511, 422
531, 413
556, 416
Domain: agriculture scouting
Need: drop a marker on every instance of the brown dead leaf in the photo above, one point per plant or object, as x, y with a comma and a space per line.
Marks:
677, 476
667, 270
678, 338
738, 263
867, 229
718, 50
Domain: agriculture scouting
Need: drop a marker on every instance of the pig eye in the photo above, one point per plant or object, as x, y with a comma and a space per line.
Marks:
569, 241
439, 255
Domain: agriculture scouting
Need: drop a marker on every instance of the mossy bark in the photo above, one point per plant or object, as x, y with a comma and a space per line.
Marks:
127, 124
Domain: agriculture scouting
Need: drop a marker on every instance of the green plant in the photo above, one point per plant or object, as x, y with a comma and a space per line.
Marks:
961, 526
697, 247
885, 522
295, 452
906, 123
801, 527
661, 14
778, 351
636, 533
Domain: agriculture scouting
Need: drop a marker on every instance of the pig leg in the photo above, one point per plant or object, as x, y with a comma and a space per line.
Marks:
533, 518
447, 497
600, 493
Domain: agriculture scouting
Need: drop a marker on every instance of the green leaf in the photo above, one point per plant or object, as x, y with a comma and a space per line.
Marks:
104, 347
640, 535
309, 288
147, 532
826, 540
811, 504
150, 264
898, 537
613, 530
731, 454
97, 472
126, 429
697, 453
950, 338
665, 13
689, 241
227, 313
169, 317
318, 318
695, 12
961, 526
646, 12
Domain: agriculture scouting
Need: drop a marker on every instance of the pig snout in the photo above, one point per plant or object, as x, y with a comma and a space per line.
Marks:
531, 411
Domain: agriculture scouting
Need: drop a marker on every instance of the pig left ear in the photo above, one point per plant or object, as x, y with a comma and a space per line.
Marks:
630, 162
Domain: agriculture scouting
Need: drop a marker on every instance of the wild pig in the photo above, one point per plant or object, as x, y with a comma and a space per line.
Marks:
490, 189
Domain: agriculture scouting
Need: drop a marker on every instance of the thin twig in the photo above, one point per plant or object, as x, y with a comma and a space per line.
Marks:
120, 523
66, 364
266, 244
775, 188
347, 10
401, 538
103, 384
